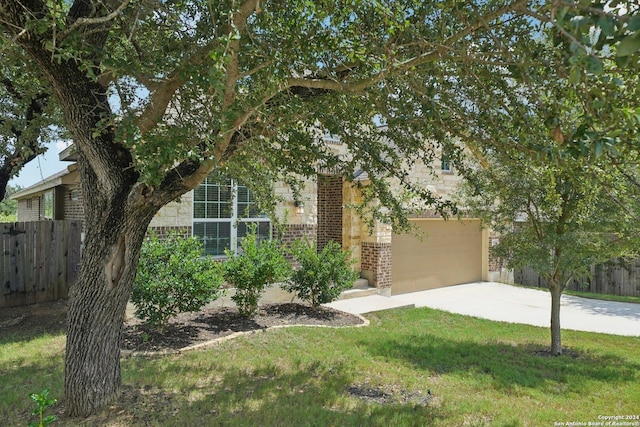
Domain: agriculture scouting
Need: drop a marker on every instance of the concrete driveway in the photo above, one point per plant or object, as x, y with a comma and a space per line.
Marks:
497, 301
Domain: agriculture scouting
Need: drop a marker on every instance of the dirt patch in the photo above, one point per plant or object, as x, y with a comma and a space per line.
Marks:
390, 395
33, 320
185, 330
546, 352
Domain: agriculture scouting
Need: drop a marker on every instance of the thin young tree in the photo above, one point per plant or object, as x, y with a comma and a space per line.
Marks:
559, 218
553, 171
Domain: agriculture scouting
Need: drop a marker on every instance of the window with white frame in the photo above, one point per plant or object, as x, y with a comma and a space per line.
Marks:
223, 212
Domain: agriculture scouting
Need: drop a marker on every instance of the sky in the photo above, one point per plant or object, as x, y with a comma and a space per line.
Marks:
42, 166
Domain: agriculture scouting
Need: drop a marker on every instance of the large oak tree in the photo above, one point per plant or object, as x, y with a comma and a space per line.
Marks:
156, 95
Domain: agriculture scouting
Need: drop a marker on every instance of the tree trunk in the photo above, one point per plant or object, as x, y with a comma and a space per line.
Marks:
96, 308
117, 207
5, 177
556, 340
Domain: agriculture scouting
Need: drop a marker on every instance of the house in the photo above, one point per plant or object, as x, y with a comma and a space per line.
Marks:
447, 252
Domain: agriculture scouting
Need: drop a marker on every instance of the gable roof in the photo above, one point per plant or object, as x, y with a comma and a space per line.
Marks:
65, 177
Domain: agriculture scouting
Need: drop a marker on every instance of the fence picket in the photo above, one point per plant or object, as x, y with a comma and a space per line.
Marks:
39, 260
618, 277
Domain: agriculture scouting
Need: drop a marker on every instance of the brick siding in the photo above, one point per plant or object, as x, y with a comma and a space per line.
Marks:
73, 209
495, 263
376, 263
29, 209
291, 232
329, 210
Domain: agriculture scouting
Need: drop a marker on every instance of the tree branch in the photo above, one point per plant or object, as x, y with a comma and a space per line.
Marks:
94, 21
165, 91
255, 69
433, 55
592, 10
552, 20
233, 71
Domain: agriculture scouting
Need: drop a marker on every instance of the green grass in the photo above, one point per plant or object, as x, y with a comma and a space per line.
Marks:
480, 373
605, 297
590, 295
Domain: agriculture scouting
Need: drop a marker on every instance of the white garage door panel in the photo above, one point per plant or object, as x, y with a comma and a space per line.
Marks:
449, 253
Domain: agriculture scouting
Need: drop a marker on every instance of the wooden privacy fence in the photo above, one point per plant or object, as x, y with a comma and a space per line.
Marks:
618, 277
40, 260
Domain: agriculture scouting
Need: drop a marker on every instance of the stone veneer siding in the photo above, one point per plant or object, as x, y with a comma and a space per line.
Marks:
163, 231
376, 263
329, 210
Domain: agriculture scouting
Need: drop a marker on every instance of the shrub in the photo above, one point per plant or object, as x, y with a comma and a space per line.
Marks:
258, 265
323, 275
173, 277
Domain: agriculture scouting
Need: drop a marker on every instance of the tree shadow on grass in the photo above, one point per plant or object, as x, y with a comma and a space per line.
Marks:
504, 365
21, 377
23, 324
310, 395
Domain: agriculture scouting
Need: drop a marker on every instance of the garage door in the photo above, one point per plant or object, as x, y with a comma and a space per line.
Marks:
450, 253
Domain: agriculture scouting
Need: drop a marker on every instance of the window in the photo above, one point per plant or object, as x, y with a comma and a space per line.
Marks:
48, 204
445, 163
222, 213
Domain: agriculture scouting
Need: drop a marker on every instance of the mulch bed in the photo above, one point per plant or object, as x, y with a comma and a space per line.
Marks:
189, 329
185, 330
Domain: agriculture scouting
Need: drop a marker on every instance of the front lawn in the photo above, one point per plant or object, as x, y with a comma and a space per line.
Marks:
478, 372
589, 295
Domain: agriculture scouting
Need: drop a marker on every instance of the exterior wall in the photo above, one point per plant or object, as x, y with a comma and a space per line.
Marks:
376, 265
163, 231
497, 268
293, 225
371, 249
175, 217
329, 210
375, 256
291, 232
30, 209
177, 214
73, 209
286, 212
495, 263
441, 183
375, 245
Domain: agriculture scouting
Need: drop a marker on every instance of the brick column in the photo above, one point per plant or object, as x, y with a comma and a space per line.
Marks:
329, 210
376, 263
